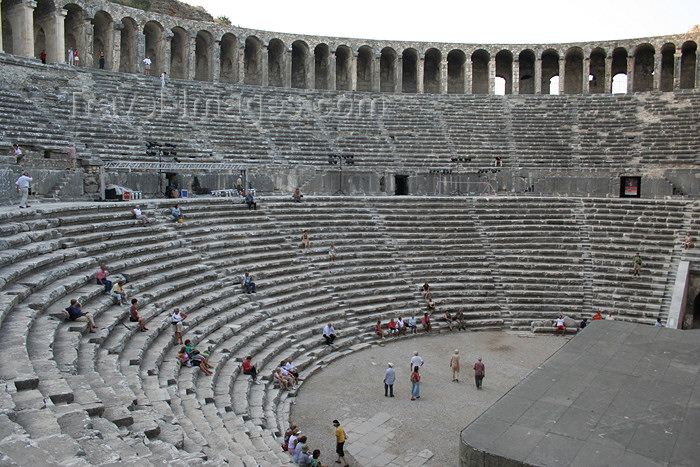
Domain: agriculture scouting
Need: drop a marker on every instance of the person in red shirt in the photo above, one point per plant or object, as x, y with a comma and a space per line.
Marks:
249, 369
479, 372
134, 315
597, 315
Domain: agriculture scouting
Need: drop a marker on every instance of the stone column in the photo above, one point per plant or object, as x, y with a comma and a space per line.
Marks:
468, 76
1, 49
56, 37
630, 74
311, 71
491, 73
443, 76
656, 84
399, 73
586, 71
166, 50
677, 70
331, 71
353, 71
538, 76
420, 69
697, 69
191, 69
263, 65
287, 67
376, 71
86, 58
117, 48
608, 74
516, 77
241, 64
22, 19
562, 75
216, 62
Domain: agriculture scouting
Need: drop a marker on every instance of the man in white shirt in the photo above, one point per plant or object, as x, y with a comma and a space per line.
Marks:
560, 326
147, 65
22, 185
416, 360
329, 334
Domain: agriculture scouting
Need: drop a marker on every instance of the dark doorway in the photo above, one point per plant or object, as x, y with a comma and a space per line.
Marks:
630, 187
401, 182
696, 312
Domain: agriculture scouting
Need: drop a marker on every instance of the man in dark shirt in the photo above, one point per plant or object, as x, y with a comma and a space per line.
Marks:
75, 313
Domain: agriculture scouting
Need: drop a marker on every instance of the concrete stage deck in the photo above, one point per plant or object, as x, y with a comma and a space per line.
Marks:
616, 394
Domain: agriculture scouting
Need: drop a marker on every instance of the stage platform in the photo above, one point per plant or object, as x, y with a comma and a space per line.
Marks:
616, 394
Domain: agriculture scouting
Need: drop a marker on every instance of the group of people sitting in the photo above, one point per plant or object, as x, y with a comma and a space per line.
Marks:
191, 357
286, 375
295, 444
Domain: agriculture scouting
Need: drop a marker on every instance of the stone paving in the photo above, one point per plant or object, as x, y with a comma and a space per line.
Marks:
391, 432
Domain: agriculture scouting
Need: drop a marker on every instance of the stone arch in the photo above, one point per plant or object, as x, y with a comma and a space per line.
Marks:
128, 46
550, 69
252, 61
322, 56
300, 60
365, 68
596, 71
203, 52
432, 64
689, 51
455, 71
228, 58
480, 72
668, 59
573, 71
74, 30
387, 70
643, 68
103, 38
504, 69
343, 59
619, 62
179, 51
409, 71
153, 34
39, 40
526, 72
275, 63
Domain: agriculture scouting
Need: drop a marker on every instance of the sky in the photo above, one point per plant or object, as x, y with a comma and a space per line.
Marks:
465, 21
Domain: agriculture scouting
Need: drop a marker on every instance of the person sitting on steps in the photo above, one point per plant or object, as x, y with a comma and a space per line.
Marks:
247, 283
75, 313
249, 369
134, 315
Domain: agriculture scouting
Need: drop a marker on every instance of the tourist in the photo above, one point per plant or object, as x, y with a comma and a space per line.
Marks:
316, 458
287, 375
416, 360
426, 322
560, 326
298, 449
378, 329
658, 323
497, 162
18, 152
102, 60
250, 201
688, 243
583, 323
177, 318
479, 372
297, 195
282, 381
72, 157
292, 430
120, 293
101, 278
134, 315
610, 316
448, 319
415, 384
292, 443
389, 378
454, 364
162, 79
186, 360
329, 334
176, 212
289, 366
305, 457
636, 264
426, 290
22, 185
194, 353
412, 325
597, 316
401, 326
459, 319
247, 283
393, 328
147, 65
70, 56
76, 58
340, 438
332, 253
75, 313
305, 239
249, 369
42, 57
139, 215
430, 305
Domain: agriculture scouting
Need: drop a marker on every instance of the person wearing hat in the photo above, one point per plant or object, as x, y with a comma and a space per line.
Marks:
454, 364
389, 378
479, 372
340, 438
299, 451
22, 185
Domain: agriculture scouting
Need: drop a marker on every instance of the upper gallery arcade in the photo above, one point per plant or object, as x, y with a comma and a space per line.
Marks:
209, 51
